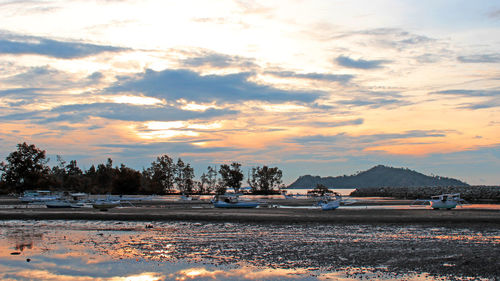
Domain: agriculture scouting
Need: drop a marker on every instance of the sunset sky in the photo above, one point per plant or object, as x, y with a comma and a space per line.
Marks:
314, 87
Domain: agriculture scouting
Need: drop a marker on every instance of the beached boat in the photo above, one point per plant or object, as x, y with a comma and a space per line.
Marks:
105, 204
443, 201
31, 196
232, 201
330, 201
58, 204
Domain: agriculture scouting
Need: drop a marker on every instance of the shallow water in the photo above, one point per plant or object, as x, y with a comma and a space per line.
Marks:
93, 250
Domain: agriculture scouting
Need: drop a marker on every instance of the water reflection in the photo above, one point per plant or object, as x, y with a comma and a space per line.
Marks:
82, 250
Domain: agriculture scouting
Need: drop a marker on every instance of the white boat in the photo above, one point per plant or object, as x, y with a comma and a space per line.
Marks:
330, 202
105, 204
443, 201
232, 201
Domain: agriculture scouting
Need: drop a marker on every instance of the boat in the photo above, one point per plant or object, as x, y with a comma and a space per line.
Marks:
36, 196
58, 204
232, 201
443, 201
330, 201
105, 204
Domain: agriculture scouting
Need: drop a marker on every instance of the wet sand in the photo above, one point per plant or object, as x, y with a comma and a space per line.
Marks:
453, 243
204, 212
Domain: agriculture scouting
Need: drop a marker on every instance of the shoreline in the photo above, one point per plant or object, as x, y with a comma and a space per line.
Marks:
479, 217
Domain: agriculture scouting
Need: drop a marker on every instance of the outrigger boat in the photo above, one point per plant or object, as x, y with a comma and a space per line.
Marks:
330, 201
443, 201
232, 201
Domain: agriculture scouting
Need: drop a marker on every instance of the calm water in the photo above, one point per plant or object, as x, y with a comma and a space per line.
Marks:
83, 250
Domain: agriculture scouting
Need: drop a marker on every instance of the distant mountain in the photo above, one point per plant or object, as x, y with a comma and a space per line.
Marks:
378, 176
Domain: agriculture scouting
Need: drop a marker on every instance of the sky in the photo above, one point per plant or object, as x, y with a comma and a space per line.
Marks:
320, 87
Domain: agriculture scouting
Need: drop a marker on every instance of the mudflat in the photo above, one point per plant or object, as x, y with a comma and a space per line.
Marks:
193, 212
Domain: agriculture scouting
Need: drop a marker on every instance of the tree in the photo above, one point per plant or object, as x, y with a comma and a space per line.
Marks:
58, 172
208, 181
74, 176
187, 179
161, 174
201, 184
231, 176
25, 168
179, 179
320, 190
211, 179
105, 175
264, 180
127, 181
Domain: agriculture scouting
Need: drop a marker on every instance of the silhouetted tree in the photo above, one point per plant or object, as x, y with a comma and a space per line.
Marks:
126, 181
179, 177
161, 175
211, 179
320, 190
231, 176
105, 175
187, 179
25, 168
208, 181
264, 180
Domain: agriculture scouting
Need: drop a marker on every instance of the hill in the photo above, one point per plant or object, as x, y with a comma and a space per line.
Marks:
378, 176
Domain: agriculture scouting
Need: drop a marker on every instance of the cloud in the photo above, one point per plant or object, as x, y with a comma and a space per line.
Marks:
153, 148
491, 98
482, 105
21, 92
494, 14
360, 63
374, 99
185, 84
343, 138
428, 58
21, 44
372, 103
77, 113
332, 124
217, 60
44, 76
389, 37
484, 58
343, 78
469, 93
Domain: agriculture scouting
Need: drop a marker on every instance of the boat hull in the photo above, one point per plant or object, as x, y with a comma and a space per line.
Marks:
439, 204
57, 204
330, 206
222, 204
104, 206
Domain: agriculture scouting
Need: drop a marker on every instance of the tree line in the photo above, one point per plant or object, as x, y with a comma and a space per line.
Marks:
26, 169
